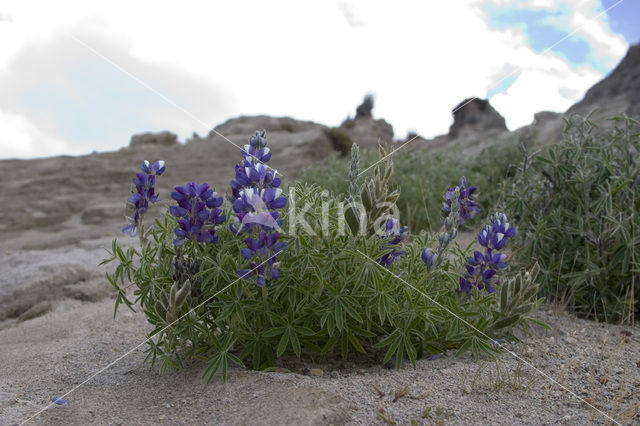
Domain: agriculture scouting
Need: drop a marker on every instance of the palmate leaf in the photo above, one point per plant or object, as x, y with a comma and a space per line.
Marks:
399, 343
219, 359
479, 346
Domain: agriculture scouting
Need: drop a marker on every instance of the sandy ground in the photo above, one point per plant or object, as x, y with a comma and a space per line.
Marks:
79, 347
58, 334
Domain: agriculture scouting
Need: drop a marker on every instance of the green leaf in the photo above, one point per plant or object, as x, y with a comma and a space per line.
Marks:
284, 342
464, 347
295, 343
506, 322
355, 342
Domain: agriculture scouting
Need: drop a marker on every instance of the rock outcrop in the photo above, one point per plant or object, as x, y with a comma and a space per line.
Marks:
364, 129
298, 144
365, 108
149, 138
475, 115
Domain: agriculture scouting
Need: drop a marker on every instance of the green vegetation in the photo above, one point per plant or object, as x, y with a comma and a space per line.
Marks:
576, 207
422, 179
217, 294
340, 139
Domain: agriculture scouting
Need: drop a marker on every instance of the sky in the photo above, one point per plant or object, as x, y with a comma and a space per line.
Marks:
78, 76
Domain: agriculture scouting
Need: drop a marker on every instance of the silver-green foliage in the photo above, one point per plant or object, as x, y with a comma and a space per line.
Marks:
332, 297
576, 208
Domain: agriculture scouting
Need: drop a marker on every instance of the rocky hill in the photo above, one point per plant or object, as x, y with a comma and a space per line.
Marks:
617, 93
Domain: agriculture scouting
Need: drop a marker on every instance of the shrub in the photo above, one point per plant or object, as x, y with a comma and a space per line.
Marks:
576, 209
340, 139
338, 286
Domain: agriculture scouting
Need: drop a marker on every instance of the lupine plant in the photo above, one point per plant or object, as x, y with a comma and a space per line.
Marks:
350, 281
576, 207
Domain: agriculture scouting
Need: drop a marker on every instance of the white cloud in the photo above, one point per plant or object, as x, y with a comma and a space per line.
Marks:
20, 138
315, 60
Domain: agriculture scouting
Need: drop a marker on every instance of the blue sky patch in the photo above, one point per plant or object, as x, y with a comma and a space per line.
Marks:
624, 18
544, 28
92, 103
503, 85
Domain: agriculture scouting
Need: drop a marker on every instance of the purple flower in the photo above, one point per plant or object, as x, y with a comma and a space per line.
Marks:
198, 212
58, 400
482, 268
263, 249
253, 172
466, 201
395, 234
256, 209
256, 199
428, 257
145, 182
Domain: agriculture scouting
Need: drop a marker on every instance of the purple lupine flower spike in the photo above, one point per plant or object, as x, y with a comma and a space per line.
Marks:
467, 202
144, 182
256, 199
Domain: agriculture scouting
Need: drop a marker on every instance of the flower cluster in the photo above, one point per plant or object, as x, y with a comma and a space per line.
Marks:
198, 212
255, 191
256, 198
145, 182
255, 208
396, 234
466, 200
482, 268
265, 246
460, 205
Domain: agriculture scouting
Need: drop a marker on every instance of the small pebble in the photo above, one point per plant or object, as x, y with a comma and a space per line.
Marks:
588, 401
316, 372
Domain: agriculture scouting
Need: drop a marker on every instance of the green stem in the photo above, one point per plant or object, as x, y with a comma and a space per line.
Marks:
141, 233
